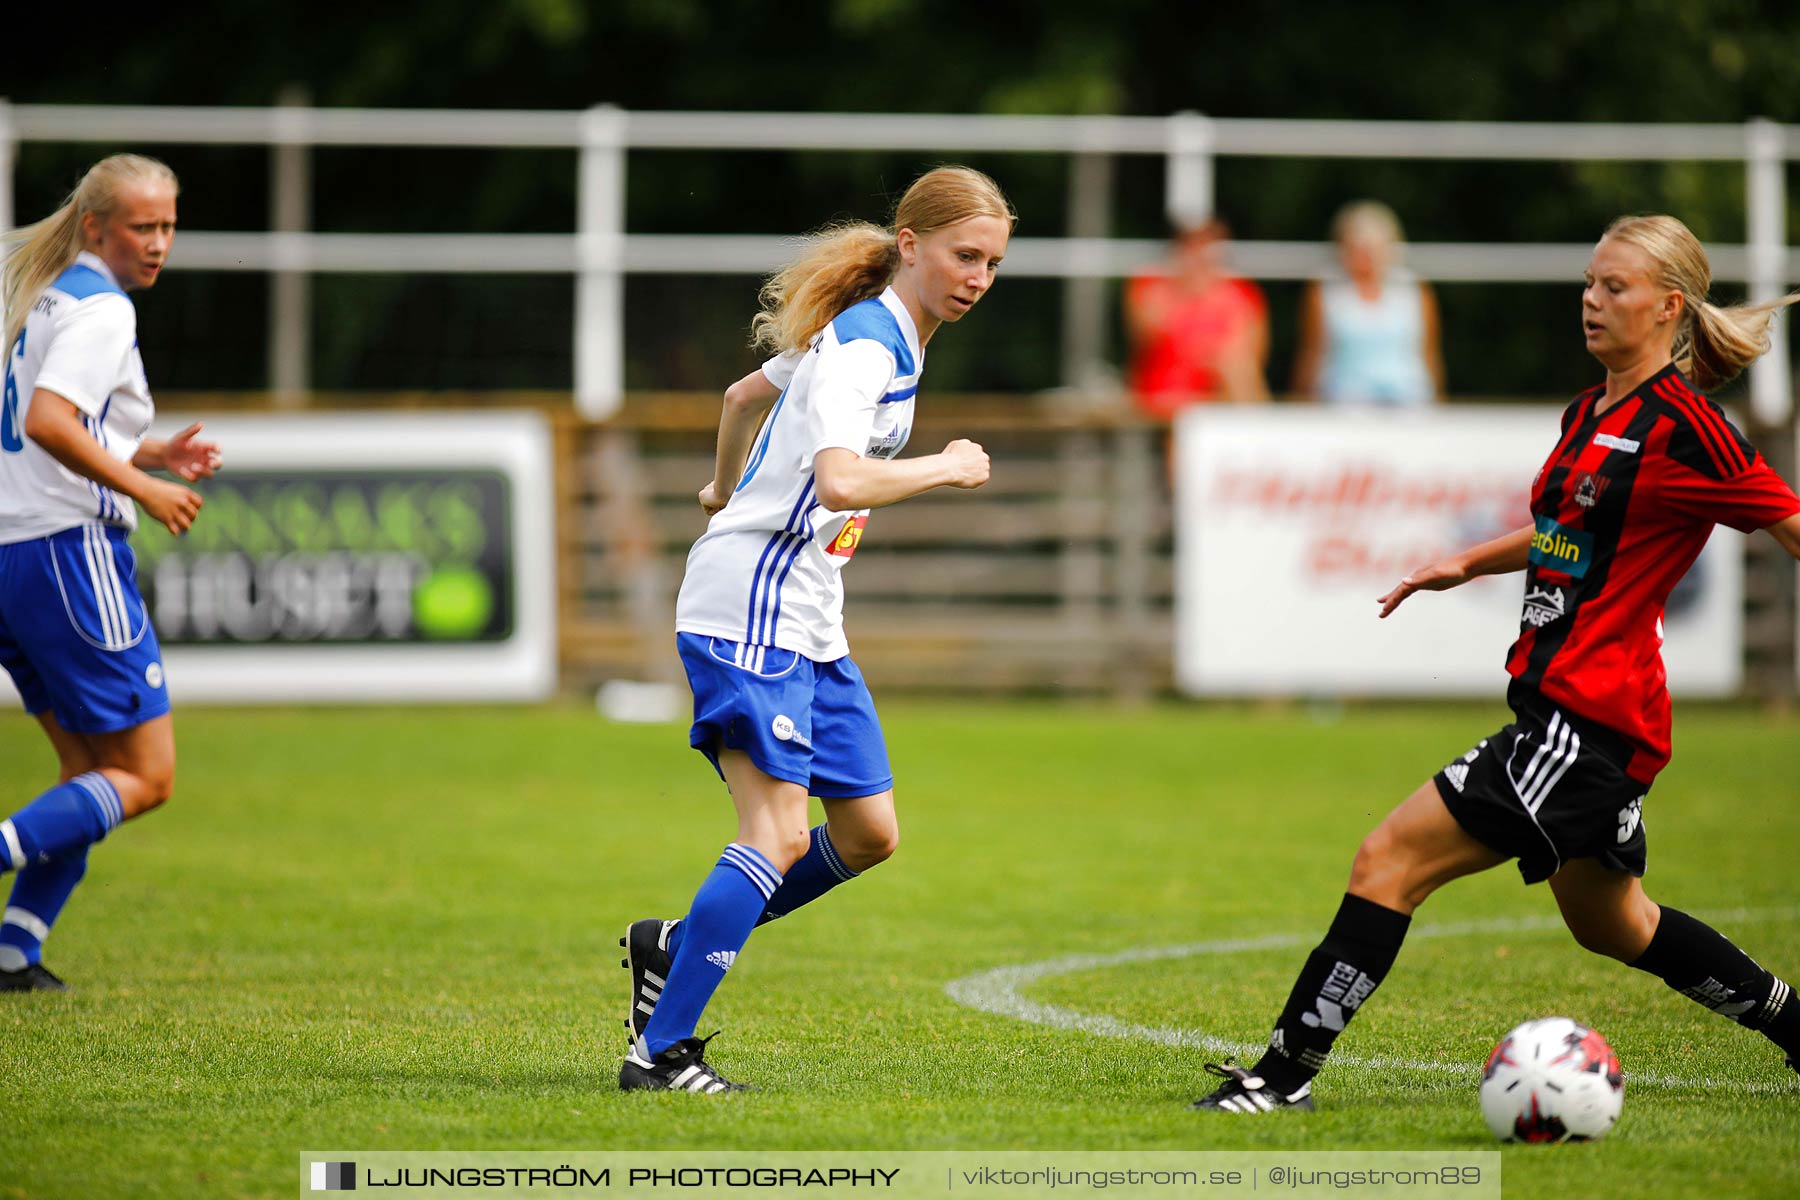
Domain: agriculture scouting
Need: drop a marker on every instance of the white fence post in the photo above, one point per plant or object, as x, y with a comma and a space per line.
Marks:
8, 149
600, 282
1771, 380
1084, 298
1188, 185
290, 291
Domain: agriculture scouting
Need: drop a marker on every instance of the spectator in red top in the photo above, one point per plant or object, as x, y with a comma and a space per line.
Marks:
1644, 467
1198, 333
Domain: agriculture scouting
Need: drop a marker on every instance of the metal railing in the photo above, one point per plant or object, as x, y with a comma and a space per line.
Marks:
600, 252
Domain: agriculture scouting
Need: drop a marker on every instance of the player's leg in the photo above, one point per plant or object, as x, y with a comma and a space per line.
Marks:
858, 833
74, 616
107, 778
1606, 910
41, 889
76, 670
771, 836
753, 721
852, 778
1527, 792
851, 775
74, 753
140, 762
76, 639
1608, 913
135, 772
864, 831
1415, 850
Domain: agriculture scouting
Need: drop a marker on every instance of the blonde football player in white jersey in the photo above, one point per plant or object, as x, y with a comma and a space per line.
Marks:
779, 708
74, 634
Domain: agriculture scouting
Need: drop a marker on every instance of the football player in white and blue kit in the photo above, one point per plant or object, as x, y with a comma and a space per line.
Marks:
779, 708
74, 634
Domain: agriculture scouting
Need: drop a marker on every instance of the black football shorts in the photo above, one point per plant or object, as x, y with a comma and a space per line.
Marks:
1541, 793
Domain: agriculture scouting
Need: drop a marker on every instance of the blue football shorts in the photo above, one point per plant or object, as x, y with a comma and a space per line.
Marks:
810, 723
74, 633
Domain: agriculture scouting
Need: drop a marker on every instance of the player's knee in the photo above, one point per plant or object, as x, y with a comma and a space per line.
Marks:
869, 846
1374, 861
1384, 871
1614, 935
793, 845
155, 785
1597, 938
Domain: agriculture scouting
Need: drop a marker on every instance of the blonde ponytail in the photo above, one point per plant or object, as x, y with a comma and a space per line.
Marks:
1718, 343
843, 264
1712, 344
36, 254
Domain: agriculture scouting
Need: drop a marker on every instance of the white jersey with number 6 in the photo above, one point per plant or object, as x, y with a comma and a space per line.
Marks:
766, 571
79, 341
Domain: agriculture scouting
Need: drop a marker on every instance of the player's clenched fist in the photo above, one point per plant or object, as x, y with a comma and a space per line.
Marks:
969, 467
712, 500
172, 505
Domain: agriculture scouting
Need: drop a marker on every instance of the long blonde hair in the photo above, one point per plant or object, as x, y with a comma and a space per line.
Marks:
36, 254
1712, 344
853, 260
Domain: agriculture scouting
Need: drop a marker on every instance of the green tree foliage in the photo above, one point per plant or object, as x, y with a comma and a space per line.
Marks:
1715, 61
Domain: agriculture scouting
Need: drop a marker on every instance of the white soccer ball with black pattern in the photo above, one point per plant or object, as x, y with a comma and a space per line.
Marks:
1552, 1080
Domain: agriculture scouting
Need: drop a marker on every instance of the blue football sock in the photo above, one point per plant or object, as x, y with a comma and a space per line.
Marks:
717, 926
815, 874
68, 817
38, 896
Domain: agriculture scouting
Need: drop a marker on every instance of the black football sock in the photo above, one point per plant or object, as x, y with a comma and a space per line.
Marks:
1701, 963
1355, 956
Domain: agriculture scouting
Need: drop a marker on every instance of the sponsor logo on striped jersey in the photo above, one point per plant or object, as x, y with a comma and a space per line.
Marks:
1560, 548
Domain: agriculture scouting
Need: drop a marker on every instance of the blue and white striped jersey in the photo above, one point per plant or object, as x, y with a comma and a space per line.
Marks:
766, 571
79, 341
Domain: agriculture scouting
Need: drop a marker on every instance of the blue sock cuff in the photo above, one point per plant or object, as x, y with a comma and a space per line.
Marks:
821, 841
105, 797
759, 870
68, 817
20, 924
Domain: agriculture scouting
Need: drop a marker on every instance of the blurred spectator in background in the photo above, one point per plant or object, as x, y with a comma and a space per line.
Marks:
1369, 336
1198, 333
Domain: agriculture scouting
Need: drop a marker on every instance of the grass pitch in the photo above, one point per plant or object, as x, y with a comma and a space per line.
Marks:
396, 930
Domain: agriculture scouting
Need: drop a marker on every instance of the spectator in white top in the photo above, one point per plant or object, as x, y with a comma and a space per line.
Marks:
1369, 335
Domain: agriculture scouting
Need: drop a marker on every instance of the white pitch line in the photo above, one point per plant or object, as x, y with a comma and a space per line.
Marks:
998, 991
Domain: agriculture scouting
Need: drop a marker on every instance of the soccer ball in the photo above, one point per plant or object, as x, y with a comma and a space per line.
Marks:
1552, 1080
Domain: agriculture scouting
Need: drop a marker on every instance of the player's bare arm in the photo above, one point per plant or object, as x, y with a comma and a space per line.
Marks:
1787, 534
1500, 556
848, 481
745, 403
55, 424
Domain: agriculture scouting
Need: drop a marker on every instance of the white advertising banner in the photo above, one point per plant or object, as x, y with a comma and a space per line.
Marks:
360, 558
1291, 521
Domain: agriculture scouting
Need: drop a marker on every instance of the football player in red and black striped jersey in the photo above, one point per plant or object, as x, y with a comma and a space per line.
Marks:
1645, 466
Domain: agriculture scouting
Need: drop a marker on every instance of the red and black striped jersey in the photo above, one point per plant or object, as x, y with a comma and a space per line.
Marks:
1623, 507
